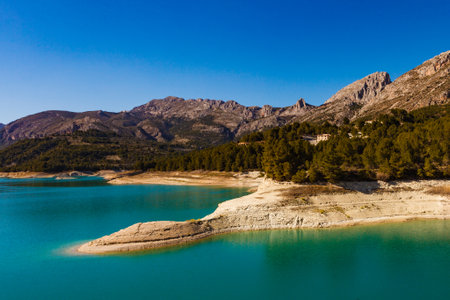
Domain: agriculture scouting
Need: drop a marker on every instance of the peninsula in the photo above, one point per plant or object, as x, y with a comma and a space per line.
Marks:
277, 205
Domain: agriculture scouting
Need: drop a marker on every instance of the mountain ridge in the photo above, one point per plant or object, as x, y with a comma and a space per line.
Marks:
211, 122
171, 119
426, 84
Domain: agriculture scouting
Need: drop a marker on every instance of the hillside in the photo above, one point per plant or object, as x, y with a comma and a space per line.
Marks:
82, 151
348, 101
199, 123
425, 85
399, 145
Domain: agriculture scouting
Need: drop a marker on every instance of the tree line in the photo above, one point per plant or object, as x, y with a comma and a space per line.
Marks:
398, 145
90, 150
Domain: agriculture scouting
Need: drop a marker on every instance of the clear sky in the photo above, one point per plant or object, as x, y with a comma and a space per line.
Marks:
114, 55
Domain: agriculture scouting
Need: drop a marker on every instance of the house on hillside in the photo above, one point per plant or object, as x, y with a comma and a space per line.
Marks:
323, 137
315, 139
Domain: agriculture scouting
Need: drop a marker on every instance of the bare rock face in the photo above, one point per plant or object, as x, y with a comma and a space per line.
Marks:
158, 234
297, 109
362, 91
206, 122
427, 84
172, 119
347, 101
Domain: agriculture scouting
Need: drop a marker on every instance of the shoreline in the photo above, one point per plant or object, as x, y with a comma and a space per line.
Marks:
271, 206
277, 205
249, 180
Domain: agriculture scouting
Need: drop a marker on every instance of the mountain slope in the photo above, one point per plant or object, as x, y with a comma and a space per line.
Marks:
348, 101
172, 119
205, 122
427, 84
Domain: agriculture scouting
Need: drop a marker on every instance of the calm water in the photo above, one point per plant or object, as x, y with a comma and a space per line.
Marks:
41, 218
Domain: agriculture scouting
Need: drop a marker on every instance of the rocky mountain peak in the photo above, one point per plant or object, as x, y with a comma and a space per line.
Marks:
435, 64
363, 90
266, 110
299, 108
173, 99
301, 103
426, 84
209, 122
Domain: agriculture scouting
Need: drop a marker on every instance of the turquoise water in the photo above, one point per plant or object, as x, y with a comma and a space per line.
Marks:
39, 219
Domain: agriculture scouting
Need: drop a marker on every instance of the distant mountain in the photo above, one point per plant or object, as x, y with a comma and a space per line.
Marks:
175, 120
205, 122
347, 102
427, 84
2, 125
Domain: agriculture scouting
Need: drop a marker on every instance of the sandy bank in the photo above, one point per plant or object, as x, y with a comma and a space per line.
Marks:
198, 178
59, 175
26, 175
229, 179
283, 205
106, 174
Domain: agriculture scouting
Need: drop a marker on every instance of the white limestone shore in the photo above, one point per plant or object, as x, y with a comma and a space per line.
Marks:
277, 205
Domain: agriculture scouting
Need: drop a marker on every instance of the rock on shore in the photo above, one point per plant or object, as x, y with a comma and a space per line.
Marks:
286, 205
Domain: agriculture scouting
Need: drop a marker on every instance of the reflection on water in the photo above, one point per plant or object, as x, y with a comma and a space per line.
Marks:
401, 260
40, 217
80, 181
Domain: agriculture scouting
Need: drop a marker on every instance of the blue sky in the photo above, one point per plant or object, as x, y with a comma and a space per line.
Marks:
114, 55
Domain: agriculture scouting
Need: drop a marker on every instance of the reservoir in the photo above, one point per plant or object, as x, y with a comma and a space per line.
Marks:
40, 219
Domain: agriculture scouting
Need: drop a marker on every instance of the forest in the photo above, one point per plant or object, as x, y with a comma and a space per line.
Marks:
398, 145
90, 150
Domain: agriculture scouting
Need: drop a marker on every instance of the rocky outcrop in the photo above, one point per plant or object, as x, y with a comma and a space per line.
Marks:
159, 234
283, 206
427, 84
172, 119
349, 100
362, 91
206, 122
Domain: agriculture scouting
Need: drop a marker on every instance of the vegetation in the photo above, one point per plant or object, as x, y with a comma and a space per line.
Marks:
396, 145
443, 190
84, 151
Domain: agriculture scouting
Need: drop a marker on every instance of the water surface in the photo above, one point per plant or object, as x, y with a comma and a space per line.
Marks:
41, 218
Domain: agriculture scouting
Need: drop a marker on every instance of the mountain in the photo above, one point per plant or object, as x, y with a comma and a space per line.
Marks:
425, 85
2, 125
201, 122
205, 122
349, 100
